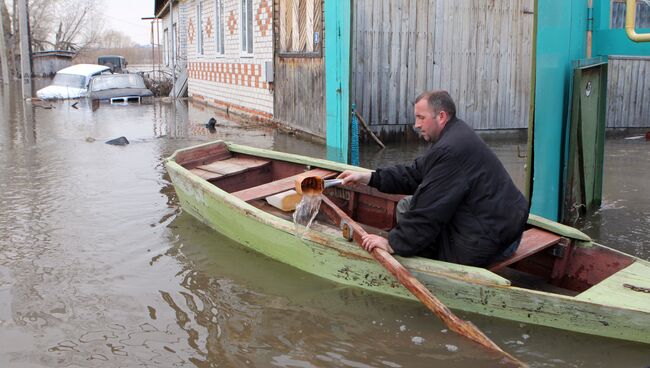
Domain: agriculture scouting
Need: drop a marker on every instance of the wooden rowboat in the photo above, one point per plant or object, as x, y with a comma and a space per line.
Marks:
558, 277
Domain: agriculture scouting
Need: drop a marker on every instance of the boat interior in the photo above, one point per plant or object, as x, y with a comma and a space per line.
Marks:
544, 260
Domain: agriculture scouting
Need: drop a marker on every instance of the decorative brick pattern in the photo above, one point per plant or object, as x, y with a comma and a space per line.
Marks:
191, 32
238, 74
232, 22
264, 17
208, 27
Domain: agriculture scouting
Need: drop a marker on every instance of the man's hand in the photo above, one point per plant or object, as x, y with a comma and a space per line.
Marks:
354, 177
371, 241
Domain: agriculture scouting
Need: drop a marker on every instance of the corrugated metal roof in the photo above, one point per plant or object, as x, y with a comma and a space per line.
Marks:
62, 53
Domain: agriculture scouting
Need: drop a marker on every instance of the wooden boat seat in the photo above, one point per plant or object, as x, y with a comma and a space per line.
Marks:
279, 186
534, 240
619, 288
227, 167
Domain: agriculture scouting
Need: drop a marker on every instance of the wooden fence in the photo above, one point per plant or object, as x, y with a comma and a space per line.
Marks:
479, 51
628, 92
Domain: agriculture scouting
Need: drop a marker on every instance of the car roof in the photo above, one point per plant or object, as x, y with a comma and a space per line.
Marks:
84, 69
119, 75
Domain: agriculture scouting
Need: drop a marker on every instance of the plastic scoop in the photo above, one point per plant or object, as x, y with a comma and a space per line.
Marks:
314, 185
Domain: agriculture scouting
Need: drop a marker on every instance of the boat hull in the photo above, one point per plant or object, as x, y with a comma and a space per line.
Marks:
460, 287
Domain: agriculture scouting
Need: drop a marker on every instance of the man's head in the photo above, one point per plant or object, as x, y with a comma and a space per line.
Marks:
433, 109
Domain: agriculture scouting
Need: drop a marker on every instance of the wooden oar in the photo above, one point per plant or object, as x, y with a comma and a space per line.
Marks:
353, 231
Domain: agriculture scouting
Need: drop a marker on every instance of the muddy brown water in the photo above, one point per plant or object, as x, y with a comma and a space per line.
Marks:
99, 267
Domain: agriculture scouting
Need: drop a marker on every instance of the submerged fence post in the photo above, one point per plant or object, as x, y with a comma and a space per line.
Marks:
354, 137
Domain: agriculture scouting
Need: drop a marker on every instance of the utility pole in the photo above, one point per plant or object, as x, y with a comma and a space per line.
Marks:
3, 52
4, 62
25, 54
153, 54
173, 46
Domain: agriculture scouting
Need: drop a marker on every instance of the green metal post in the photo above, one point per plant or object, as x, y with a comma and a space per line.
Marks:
561, 30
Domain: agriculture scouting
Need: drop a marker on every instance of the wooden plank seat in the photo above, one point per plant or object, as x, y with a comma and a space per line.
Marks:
279, 186
227, 167
534, 240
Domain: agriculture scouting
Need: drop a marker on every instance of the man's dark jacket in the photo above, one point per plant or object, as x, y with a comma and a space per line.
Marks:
465, 208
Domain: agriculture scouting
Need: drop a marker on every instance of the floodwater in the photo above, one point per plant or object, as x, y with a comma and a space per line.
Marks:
99, 267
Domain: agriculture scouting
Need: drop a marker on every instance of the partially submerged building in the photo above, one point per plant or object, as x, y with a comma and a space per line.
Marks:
47, 63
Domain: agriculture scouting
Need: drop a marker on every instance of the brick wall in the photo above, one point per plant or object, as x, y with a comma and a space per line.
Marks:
233, 80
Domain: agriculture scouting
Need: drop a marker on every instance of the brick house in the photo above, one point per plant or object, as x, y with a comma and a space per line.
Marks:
229, 49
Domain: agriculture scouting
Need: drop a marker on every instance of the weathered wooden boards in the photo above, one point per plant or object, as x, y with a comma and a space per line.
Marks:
628, 92
228, 166
534, 240
479, 51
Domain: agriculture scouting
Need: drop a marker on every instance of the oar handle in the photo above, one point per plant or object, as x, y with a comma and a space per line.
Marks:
356, 232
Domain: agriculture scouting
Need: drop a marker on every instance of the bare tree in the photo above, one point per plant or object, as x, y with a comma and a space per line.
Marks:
115, 39
64, 24
41, 19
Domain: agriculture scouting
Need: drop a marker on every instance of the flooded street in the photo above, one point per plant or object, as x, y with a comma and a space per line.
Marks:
99, 267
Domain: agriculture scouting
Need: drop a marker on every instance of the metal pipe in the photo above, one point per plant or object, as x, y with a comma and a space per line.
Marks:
630, 23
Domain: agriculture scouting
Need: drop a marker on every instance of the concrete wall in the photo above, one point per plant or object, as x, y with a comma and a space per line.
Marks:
44, 66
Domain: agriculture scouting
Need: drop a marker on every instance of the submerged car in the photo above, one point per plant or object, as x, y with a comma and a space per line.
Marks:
71, 82
115, 62
118, 88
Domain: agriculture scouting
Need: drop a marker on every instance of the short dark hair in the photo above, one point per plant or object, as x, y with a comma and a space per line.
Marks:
439, 100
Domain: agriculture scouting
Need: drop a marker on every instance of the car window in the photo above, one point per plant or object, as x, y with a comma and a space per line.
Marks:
117, 81
69, 80
112, 60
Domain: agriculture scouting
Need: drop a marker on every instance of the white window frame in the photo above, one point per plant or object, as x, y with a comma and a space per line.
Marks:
219, 28
246, 34
165, 45
199, 28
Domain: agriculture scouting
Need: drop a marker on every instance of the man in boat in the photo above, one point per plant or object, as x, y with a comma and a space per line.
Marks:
464, 206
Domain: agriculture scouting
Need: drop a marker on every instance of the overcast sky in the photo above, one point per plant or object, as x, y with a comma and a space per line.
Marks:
125, 16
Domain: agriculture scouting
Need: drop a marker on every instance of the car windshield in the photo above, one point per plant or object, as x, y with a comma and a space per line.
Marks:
112, 60
69, 80
117, 81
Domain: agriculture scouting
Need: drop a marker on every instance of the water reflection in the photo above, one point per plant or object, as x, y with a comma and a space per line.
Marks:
239, 306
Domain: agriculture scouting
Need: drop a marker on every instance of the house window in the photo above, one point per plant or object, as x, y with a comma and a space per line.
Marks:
247, 26
300, 28
165, 46
199, 28
219, 27
642, 14
176, 42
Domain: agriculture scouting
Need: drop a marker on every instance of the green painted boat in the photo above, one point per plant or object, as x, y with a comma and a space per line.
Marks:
558, 277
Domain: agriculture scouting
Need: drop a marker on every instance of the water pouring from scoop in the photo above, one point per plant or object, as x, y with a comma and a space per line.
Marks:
311, 188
